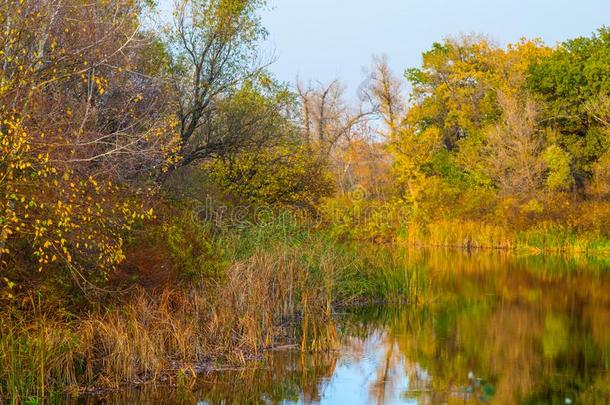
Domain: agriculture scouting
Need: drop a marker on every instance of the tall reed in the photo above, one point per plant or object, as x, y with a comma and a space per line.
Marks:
38, 357
544, 237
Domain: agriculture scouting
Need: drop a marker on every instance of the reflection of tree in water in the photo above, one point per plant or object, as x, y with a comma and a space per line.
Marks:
536, 329
386, 379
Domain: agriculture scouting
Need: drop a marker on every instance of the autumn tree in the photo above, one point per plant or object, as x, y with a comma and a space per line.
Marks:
386, 92
470, 127
327, 119
513, 148
82, 120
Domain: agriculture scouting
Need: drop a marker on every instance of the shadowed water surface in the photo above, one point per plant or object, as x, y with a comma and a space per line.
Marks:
494, 328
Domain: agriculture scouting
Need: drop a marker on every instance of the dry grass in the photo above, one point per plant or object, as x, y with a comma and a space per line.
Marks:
250, 310
463, 234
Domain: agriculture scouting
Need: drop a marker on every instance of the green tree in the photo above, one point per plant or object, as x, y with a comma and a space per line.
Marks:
576, 73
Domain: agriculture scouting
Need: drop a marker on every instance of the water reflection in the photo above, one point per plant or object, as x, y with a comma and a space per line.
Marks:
495, 328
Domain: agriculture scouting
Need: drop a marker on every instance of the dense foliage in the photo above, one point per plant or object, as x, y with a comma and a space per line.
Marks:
508, 137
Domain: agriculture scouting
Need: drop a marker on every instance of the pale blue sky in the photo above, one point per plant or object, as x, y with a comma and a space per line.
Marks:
328, 39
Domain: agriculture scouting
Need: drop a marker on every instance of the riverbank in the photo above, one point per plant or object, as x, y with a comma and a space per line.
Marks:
273, 285
543, 238
563, 225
